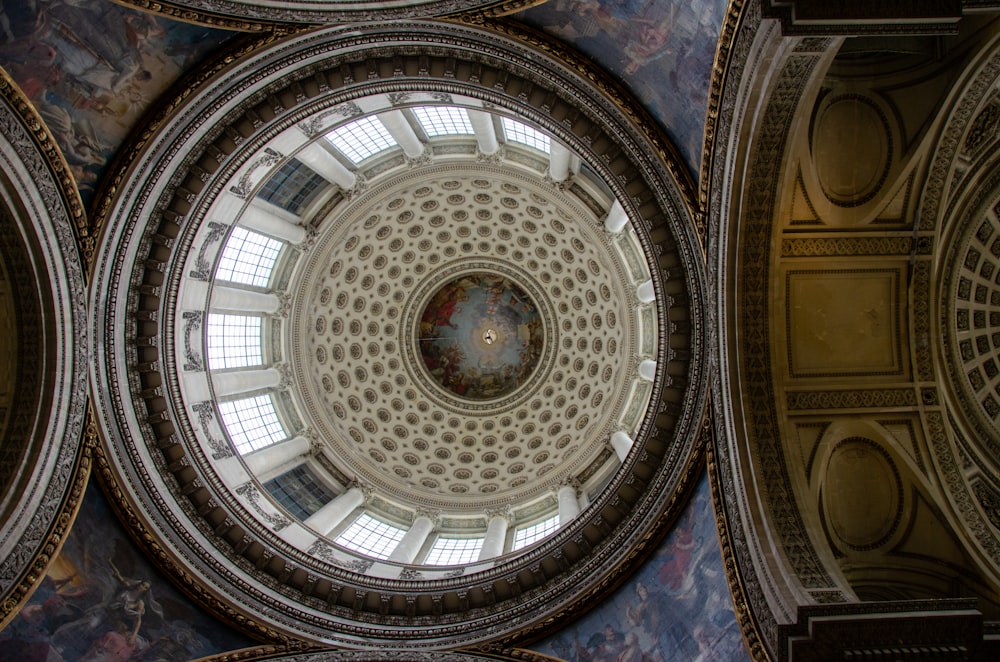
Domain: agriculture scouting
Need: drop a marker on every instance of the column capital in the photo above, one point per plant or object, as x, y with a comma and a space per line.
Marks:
433, 515
367, 492
503, 512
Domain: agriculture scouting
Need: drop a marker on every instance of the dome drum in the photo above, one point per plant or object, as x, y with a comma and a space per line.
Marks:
242, 547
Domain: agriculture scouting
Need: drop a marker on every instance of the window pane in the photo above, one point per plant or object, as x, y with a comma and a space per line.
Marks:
299, 491
233, 341
370, 536
522, 133
443, 120
452, 551
361, 138
531, 534
292, 187
252, 423
248, 258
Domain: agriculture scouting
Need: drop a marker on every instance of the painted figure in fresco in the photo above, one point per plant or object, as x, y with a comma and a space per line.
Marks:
130, 600
112, 626
604, 646
115, 645
644, 618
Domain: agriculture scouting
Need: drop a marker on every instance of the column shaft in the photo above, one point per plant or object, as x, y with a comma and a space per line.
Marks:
276, 459
413, 540
569, 507
273, 221
326, 519
496, 536
238, 300
234, 382
395, 122
486, 135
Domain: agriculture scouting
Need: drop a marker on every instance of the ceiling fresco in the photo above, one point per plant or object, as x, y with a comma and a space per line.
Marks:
480, 336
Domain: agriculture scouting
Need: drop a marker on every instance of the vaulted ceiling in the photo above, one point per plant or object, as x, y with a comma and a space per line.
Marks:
815, 312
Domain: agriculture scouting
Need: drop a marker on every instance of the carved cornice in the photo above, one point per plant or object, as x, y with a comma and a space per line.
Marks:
15, 597
37, 180
246, 16
743, 609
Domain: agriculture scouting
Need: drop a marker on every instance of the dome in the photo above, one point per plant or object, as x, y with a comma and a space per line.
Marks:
408, 323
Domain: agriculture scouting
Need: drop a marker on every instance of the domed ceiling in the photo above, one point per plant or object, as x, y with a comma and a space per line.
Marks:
463, 336
448, 329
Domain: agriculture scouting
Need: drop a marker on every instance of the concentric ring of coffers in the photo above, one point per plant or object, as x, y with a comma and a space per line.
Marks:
181, 468
970, 316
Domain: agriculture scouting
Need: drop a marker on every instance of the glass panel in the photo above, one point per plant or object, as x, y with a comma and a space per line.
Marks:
452, 551
292, 187
531, 534
252, 423
443, 120
248, 258
361, 138
299, 491
371, 537
233, 341
524, 134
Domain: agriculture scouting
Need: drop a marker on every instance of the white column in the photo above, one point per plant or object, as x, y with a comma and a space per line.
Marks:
496, 536
237, 300
486, 135
616, 219
275, 459
645, 292
560, 162
234, 382
326, 519
326, 165
622, 443
395, 122
569, 507
647, 370
261, 216
315, 156
413, 540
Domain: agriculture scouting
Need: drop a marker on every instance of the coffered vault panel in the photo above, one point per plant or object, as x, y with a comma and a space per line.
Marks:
164, 449
858, 354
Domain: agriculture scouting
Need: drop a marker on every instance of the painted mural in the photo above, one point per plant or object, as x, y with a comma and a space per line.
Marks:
92, 68
677, 607
101, 600
481, 336
662, 49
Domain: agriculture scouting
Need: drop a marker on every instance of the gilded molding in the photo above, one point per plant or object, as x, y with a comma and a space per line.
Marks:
745, 616
721, 70
56, 536
84, 231
40, 180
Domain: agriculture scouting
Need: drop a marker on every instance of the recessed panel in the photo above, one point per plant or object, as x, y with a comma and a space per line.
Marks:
842, 322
